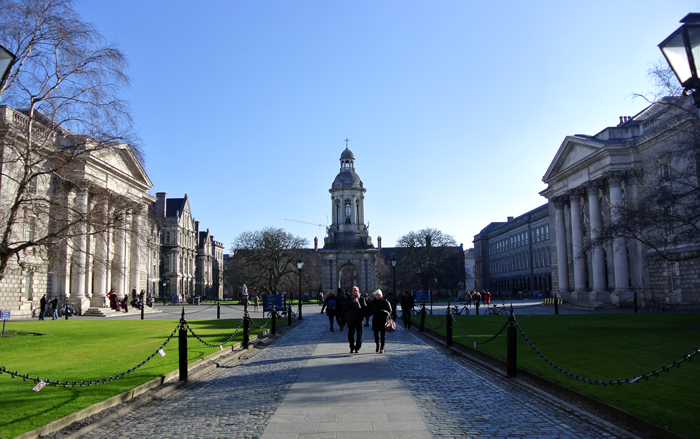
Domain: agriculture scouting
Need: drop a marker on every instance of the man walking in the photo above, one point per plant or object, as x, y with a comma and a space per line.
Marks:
355, 309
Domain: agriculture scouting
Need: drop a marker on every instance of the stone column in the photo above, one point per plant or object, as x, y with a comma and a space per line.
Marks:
136, 249
118, 260
577, 246
79, 259
619, 244
562, 262
598, 257
101, 262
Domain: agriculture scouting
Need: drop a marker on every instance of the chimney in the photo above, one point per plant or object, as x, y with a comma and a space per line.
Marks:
160, 204
379, 242
510, 218
315, 243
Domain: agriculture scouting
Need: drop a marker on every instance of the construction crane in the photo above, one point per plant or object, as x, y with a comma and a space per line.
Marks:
307, 222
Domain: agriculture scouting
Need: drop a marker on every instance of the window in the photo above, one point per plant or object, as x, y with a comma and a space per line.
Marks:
664, 172
674, 273
546, 231
31, 222
28, 285
669, 220
348, 212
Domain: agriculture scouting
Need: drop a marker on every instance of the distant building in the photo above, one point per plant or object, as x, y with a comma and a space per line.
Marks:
208, 274
179, 242
514, 256
469, 269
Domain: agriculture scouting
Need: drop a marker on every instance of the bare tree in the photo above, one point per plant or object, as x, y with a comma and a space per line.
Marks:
65, 85
265, 259
664, 212
428, 254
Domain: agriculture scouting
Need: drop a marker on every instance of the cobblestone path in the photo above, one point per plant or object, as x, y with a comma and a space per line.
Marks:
455, 398
460, 400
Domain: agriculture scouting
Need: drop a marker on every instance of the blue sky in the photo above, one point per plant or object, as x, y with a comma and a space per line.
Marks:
454, 109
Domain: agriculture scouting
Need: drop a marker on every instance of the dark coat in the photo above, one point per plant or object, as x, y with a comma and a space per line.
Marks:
355, 312
379, 309
329, 312
407, 303
341, 300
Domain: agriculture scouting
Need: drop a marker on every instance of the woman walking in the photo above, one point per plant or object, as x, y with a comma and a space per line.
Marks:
330, 305
380, 309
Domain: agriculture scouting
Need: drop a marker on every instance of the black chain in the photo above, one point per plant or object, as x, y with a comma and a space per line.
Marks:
440, 325
263, 326
81, 383
493, 337
646, 376
214, 345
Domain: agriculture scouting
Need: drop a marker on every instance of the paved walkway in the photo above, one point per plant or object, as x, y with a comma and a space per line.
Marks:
307, 385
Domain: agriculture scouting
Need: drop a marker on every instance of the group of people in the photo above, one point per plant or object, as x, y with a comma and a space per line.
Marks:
118, 305
350, 311
47, 307
478, 297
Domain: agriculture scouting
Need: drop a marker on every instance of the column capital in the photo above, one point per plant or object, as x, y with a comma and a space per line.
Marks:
576, 192
615, 178
561, 201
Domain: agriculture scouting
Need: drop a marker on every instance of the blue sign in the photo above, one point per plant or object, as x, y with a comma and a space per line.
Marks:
421, 296
4, 315
270, 300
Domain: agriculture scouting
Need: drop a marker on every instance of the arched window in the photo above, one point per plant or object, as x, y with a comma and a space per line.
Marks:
348, 212
357, 211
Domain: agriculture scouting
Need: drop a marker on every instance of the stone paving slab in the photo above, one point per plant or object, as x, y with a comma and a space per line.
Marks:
307, 385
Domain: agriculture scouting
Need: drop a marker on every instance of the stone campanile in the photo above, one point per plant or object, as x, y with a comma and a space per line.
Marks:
348, 253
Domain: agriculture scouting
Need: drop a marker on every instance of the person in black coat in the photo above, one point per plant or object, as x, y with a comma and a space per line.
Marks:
355, 309
341, 298
330, 305
380, 310
407, 304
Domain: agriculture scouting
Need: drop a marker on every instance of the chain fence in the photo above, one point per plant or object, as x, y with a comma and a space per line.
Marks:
490, 339
645, 376
82, 383
221, 346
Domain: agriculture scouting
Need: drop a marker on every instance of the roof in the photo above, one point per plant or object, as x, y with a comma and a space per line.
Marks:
347, 154
347, 178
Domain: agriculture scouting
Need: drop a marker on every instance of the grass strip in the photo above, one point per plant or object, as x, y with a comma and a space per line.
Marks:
76, 350
607, 347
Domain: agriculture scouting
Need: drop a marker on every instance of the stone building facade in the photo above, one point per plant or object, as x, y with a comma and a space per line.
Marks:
348, 256
95, 207
588, 177
514, 256
209, 266
179, 240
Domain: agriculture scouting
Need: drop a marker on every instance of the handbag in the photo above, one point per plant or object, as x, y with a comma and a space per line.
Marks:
390, 325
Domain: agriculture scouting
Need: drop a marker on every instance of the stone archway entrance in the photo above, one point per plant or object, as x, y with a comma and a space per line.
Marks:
348, 277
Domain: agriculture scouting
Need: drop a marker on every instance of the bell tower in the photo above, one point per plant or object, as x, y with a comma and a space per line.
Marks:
348, 254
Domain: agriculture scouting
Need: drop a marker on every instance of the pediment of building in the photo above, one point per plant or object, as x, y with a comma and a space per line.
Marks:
572, 154
120, 162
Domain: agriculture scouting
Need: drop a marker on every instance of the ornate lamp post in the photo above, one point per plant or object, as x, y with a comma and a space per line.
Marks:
393, 268
7, 58
300, 266
682, 52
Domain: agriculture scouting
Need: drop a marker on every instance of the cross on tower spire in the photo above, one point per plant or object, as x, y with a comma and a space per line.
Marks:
346, 142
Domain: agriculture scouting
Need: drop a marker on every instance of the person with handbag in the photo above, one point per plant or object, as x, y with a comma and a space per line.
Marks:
381, 313
355, 309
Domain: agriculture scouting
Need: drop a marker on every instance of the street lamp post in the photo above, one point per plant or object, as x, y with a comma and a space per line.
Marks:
300, 266
682, 52
7, 58
393, 268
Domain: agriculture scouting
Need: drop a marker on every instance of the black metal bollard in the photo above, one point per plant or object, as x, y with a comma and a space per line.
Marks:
422, 318
448, 328
476, 304
65, 310
511, 342
289, 315
635, 302
274, 321
143, 305
182, 346
218, 310
556, 305
246, 330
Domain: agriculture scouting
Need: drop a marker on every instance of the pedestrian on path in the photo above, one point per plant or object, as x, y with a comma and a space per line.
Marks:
381, 310
341, 298
330, 305
355, 310
407, 304
54, 307
368, 301
42, 307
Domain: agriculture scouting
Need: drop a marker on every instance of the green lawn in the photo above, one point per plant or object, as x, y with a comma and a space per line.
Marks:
75, 350
608, 347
